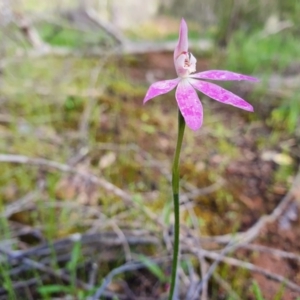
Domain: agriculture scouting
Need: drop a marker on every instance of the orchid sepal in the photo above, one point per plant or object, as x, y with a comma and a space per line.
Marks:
160, 88
222, 75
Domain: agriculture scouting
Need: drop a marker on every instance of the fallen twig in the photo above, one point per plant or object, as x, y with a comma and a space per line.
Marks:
253, 232
59, 274
30, 33
271, 251
108, 28
131, 266
62, 249
19, 205
109, 187
130, 48
204, 267
96, 239
246, 265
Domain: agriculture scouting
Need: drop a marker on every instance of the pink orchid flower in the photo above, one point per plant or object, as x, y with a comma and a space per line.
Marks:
186, 96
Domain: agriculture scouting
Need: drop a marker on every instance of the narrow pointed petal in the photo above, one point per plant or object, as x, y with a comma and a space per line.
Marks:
160, 87
183, 44
217, 93
189, 105
222, 75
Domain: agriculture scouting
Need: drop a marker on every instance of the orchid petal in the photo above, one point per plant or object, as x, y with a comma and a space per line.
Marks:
217, 93
183, 44
222, 75
160, 87
189, 104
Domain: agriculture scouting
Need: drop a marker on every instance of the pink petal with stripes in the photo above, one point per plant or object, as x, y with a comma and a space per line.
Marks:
160, 87
222, 75
217, 93
189, 104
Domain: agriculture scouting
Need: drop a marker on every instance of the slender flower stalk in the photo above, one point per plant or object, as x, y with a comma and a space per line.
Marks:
191, 112
175, 190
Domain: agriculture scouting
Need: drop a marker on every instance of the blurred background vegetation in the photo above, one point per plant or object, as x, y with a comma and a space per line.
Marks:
85, 167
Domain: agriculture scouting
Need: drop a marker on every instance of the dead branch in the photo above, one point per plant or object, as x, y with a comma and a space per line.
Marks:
89, 15
132, 266
59, 274
203, 283
130, 48
204, 267
253, 232
19, 205
105, 240
108, 28
271, 251
30, 33
246, 265
101, 182
20, 285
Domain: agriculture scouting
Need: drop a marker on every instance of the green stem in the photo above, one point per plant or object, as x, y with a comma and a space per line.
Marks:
175, 189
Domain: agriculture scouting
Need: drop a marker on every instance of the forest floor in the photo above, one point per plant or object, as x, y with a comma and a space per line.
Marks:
81, 154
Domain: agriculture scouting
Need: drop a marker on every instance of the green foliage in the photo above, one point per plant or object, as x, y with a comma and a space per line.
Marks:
154, 268
256, 291
254, 53
73, 263
6, 281
286, 116
279, 295
48, 290
70, 37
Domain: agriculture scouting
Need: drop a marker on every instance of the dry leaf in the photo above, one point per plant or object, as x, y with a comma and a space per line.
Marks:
107, 160
278, 158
